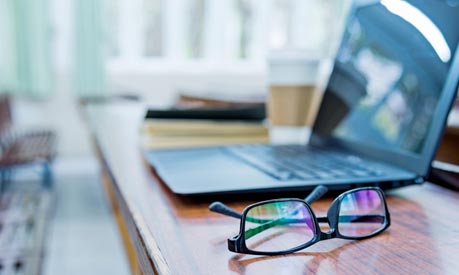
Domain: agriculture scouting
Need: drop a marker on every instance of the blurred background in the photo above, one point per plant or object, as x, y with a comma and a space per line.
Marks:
55, 55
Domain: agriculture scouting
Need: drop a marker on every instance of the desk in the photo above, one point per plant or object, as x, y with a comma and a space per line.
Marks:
167, 234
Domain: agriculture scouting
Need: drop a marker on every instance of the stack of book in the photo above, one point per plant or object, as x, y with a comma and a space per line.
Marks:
218, 123
176, 133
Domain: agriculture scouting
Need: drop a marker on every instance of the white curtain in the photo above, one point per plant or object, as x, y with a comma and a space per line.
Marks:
25, 48
90, 48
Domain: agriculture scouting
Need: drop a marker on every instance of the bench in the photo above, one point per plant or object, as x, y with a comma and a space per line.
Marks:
22, 149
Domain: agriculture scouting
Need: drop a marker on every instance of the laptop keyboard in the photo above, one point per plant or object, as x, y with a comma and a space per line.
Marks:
295, 162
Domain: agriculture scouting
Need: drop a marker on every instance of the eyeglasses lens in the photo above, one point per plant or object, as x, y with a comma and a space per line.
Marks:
278, 226
362, 213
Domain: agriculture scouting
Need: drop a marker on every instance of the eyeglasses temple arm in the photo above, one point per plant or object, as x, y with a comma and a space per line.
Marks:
221, 208
316, 194
361, 218
356, 218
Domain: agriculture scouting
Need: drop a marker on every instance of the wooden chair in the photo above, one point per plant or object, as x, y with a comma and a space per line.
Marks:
21, 149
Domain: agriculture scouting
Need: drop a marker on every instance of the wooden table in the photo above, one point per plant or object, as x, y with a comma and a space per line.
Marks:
167, 234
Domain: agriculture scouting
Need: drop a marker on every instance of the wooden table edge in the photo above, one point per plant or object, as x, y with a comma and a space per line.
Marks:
123, 212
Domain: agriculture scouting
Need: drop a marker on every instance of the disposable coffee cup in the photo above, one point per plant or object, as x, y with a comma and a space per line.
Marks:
293, 90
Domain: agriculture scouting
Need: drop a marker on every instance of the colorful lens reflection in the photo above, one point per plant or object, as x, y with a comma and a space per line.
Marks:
362, 213
278, 226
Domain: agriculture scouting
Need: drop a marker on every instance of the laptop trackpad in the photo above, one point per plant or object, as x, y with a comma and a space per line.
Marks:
206, 170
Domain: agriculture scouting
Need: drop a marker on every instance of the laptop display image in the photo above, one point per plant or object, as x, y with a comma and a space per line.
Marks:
382, 115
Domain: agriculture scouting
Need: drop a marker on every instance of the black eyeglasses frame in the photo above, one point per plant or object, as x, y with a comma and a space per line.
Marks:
237, 243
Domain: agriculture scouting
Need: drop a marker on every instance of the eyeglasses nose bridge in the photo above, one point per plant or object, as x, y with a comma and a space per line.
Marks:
327, 235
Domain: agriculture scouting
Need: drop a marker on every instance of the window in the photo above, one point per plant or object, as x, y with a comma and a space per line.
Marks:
147, 32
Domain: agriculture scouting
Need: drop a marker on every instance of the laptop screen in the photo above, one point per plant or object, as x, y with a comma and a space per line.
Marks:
389, 73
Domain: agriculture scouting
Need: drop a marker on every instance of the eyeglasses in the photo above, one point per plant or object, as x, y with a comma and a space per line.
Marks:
283, 226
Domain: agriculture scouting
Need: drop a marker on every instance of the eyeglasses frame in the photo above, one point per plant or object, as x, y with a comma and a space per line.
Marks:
237, 243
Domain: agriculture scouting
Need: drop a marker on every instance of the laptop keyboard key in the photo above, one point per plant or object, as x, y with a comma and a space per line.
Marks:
305, 175
360, 173
324, 175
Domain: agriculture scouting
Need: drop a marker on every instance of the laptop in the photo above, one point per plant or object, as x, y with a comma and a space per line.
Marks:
380, 121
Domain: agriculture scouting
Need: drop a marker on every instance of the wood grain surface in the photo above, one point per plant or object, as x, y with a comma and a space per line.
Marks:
177, 235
